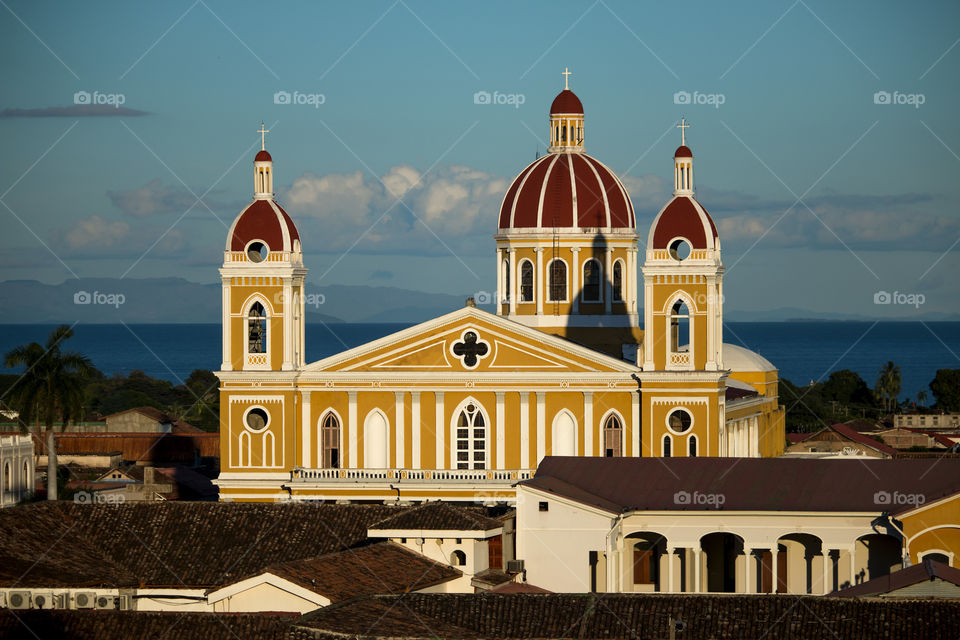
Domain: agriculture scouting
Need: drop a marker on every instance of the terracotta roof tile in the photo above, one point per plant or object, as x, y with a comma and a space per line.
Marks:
926, 570
440, 516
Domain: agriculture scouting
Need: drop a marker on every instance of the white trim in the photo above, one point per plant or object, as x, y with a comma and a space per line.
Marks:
247, 427
319, 428
267, 578
666, 419
366, 440
306, 453
690, 440
399, 425
576, 433
566, 279
533, 271
541, 426
501, 429
480, 340
416, 427
588, 425
439, 429
487, 428
354, 428
663, 449
623, 434
926, 552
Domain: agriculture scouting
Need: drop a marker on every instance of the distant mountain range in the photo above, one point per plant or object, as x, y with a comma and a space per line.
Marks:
175, 300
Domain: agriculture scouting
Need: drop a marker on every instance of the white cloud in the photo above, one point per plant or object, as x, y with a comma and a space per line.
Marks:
96, 232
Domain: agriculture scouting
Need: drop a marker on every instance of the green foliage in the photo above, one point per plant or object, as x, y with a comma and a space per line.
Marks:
847, 387
888, 385
843, 396
946, 389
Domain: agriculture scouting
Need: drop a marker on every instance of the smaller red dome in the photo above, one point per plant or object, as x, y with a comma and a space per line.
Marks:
266, 221
566, 102
263, 156
683, 151
683, 217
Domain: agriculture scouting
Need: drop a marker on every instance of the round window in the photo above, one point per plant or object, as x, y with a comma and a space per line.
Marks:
257, 251
257, 419
679, 420
680, 249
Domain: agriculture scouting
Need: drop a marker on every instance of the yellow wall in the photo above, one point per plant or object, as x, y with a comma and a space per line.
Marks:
934, 527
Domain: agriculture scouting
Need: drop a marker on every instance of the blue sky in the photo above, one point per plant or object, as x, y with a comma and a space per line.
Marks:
822, 196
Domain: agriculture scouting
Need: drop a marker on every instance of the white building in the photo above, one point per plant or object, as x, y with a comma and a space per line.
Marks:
16, 467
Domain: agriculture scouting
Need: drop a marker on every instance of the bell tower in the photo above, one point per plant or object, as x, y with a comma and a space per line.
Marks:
683, 324
263, 282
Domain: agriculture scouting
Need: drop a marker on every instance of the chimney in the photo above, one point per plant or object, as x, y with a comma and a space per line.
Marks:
149, 475
471, 302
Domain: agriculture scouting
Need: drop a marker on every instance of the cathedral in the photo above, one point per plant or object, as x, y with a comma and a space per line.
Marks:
464, 406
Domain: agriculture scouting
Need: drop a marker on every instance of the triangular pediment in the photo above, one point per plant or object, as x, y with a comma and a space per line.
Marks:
470, 340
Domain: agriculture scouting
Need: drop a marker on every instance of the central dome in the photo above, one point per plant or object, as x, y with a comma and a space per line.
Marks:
567, 190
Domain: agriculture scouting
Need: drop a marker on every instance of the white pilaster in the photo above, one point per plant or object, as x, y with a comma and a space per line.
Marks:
525, 429
514, 276
399, 424
671, 561
588, 428
498, 295
501, 430
416, 428
227, 363
775, 555
541, 426
440, 430
825, 570
635, 423
749, 558
288, 303
306, 444
696, 568
353, 429
539, 282
608, 280
575, 280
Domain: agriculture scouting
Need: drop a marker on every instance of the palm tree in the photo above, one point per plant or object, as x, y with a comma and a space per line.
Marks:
888, 385
922, 398
50, 388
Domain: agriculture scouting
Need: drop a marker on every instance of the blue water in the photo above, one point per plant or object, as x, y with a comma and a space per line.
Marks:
803, 351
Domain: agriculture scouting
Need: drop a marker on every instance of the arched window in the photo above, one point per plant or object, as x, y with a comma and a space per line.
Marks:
245, 449
692, 446
458, 558
471, 438
375, 441
564, 435
612, 437
330, 441
505, 294
679, 326
592, 277
667, 446
257, 329
558, 280
526, 281
618, 281
7, 486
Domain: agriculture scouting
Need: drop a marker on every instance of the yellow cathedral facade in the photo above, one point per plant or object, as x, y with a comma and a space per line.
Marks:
464, 406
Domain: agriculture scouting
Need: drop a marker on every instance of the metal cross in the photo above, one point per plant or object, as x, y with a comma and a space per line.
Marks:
263, 136
683, 126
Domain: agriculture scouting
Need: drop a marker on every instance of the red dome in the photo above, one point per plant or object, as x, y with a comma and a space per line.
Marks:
567, 190
263, 156
566, 102
683, 151
683, 217
265, 221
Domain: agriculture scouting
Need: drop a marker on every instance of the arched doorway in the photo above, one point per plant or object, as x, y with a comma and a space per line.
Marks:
722, 551
800, 564
877, 554
646, 562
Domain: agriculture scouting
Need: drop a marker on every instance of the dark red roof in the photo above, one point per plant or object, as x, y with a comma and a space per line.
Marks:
263, 156
682, 218
735, 393
439, 516
926, 570
862, 438
683, 151
797, 437
566, 102
747, 484
518, 587
542, 196
263, 220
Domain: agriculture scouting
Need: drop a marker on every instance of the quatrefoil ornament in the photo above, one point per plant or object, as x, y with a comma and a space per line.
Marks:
470, 349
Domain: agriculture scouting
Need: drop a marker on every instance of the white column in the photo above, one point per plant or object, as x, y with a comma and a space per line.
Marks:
440, 429
648, 326
825, 571
671, 560
306, 446
540, 282
635, 422
398, 424
853, 564
287, 326
696, 568
353, 428
608, 280
718, 334
227, 363
416, 428
302, 345
498, 296
575, 280
541, 426
588, 427
711, 364
525, 429
633, 281
514, 276
775, 562
501, 431
748, 587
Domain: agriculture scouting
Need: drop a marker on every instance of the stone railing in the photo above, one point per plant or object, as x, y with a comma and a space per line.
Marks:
431, 476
